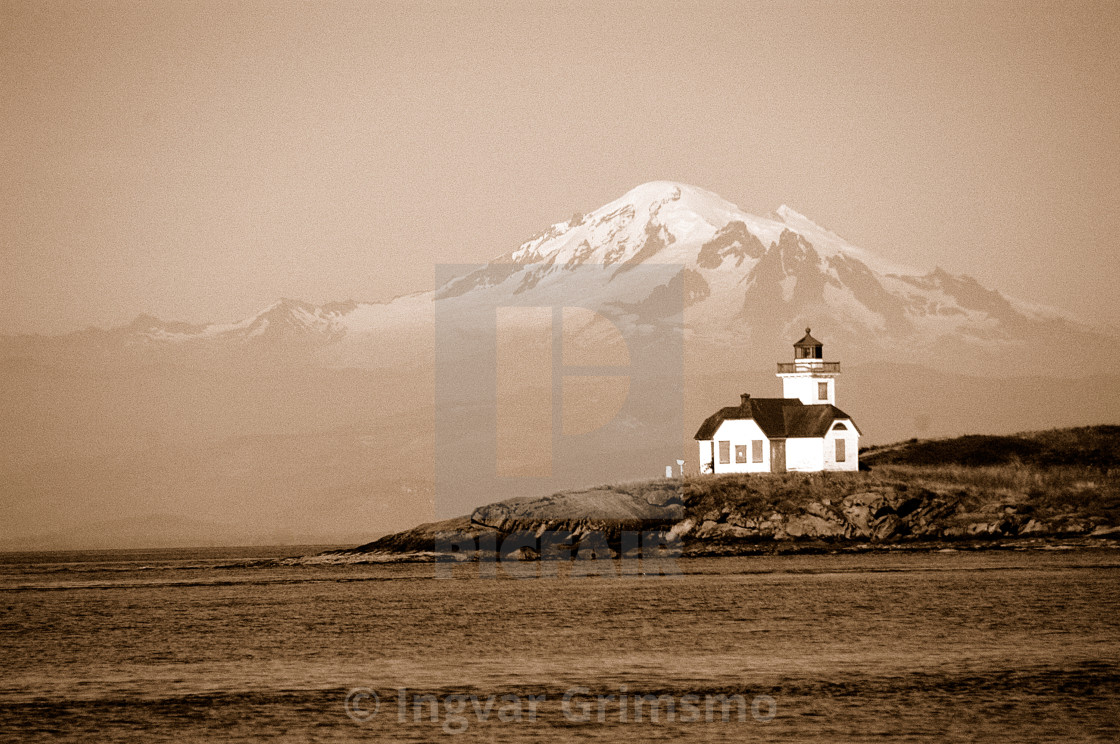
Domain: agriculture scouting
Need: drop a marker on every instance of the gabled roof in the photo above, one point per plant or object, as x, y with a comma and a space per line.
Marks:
808, 340
778, 417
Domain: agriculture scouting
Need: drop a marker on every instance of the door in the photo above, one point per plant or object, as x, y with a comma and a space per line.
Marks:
777, 455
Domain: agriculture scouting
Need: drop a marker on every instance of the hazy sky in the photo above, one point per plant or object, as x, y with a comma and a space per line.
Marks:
198, 160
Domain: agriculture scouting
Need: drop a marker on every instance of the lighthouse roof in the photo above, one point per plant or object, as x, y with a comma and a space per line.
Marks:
808, 340
777, 417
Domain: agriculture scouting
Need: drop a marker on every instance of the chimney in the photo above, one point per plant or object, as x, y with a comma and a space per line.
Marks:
745, 397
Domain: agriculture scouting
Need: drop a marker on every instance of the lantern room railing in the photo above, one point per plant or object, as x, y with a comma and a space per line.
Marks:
809, 365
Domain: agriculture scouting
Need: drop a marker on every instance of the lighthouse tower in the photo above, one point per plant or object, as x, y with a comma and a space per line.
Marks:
808, 377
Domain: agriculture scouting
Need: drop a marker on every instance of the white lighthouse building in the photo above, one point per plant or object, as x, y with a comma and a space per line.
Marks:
809, 378
803, 431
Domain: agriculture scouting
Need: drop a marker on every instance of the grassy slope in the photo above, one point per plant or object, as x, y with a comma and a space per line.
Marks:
1092, 447
1064, 481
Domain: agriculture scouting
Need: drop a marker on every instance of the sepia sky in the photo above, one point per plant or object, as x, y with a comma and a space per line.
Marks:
198, 160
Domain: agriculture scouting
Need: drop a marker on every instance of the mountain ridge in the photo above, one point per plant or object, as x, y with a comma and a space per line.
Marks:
277, 416
749, 282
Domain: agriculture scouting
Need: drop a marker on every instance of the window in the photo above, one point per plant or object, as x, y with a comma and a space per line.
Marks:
740, 453
756, 447
724, 453
840, 453
822, 391
840, 426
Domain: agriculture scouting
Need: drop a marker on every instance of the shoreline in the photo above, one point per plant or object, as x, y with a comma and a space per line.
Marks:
1075, 542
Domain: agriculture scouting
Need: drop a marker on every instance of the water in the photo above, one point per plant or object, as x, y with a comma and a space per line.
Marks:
226, 645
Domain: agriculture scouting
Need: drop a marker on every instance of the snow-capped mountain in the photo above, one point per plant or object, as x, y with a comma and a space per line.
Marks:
304, 408
283, 319
748, 284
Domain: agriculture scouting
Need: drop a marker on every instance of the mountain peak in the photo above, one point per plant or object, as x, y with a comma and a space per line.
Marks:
655, 191
679, 206
664, 192
144, 321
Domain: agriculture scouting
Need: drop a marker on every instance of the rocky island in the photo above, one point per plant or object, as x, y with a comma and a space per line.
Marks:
971, 492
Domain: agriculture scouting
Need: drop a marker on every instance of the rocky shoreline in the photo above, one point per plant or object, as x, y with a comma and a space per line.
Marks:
753, 515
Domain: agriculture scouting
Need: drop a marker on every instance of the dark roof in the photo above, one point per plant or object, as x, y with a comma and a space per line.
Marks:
778, 417
808, 340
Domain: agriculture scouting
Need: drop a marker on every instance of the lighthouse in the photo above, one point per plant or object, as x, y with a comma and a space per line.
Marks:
803, 431
808, 377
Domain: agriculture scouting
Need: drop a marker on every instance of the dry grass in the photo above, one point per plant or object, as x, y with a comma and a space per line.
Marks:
1096, 447
1045, 492
1014, 477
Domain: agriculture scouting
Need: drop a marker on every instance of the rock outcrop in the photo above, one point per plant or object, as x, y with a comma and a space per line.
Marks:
606, 509
749, 514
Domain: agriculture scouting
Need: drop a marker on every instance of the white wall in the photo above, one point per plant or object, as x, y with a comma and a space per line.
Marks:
851, 448
741, 432
705, 455
805, 455
805, 388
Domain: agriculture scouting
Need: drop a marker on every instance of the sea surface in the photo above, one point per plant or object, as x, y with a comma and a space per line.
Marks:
229, 645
